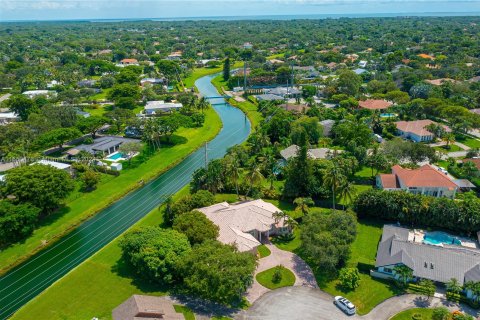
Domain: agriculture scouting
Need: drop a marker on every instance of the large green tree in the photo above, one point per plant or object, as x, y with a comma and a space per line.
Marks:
155, 253
196, 226
41, 185
21, 105
16, 221
218, 272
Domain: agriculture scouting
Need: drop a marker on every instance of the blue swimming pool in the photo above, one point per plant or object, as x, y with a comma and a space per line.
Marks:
437, 238
115, 156
388, 115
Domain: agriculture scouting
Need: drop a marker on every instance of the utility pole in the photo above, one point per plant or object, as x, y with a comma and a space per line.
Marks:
245, 77
206, 155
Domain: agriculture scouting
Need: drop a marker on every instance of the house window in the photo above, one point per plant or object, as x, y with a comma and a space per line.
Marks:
425, 265
431, 266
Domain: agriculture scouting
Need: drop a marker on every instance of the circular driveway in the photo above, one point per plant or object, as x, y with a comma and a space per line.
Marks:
302, 303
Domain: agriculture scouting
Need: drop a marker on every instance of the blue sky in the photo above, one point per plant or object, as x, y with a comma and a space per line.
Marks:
111, 9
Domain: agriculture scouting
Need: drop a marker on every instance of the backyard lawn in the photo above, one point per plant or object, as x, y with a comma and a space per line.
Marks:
263, 251
451, 148
408, 314
266, 278
82, 207
468, 141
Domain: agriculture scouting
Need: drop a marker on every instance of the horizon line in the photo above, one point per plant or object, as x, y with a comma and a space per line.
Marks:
443, 14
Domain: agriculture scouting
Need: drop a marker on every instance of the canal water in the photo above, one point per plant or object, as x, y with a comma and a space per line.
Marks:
27, 280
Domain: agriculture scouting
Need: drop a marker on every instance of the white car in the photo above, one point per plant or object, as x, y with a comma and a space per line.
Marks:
345, 305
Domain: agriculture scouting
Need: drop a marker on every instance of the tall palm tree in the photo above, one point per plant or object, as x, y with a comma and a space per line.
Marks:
453, 286
203, 104
233, 169
333, 179
404, 273
347, 192
269, 165
449, 139
254, 176
303, 204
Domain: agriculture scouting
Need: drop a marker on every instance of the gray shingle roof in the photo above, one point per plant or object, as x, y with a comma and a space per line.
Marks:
437, 263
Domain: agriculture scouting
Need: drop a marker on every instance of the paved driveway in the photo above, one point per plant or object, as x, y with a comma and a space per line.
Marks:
303, 274
303, 303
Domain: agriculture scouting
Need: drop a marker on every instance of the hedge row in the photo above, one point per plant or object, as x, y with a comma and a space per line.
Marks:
407, 208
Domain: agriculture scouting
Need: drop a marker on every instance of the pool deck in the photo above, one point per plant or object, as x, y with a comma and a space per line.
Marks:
417, 236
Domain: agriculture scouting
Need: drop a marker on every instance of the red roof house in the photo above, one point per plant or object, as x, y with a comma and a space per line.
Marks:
375, 104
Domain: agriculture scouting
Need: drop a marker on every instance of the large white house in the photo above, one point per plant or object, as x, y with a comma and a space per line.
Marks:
156, 107
245, 224
425, 180
416, 130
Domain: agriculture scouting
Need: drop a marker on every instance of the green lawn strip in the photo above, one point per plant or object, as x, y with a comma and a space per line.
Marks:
288, 243
265, 278
469, 141
263, 251
197, 73
97, 286
249, 108
87, 205
187, 313
408, 314
371, 291
451, 148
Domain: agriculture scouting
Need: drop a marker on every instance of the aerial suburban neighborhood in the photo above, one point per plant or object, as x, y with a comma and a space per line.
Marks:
214, 168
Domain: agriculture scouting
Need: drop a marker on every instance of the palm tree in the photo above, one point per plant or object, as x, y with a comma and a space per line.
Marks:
279, 215
303, 204
453, 286
254, 176
233, 169
448, 138
203, 104
470, 169
333, 179
404, 273
347, 192
269, 165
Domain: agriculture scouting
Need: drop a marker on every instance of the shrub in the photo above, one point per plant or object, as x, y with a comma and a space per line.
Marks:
417, 316
349, 278
277, 274
196, 226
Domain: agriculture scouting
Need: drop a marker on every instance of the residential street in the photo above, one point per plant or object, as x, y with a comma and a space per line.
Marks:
305, 303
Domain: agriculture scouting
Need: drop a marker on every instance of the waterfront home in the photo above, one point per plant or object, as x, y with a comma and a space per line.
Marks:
372, 104
101, 146
425, 180
245, 224
417, 130
157, 107
317, 153
435, 256
146, 307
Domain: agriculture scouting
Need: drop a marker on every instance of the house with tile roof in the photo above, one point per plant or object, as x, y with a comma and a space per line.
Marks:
440, 261
129, 62
372, 104
416, 130
425, 180
317, 153
139, 307
245, 224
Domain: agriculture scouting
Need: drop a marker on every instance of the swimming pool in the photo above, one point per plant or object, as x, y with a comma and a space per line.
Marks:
437, 238
115, 156
388, 115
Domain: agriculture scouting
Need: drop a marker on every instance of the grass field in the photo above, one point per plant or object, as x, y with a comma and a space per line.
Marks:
468, 141
452, 148
201, 72
408, 314
187, 313
263, 251
83, 207
265, 278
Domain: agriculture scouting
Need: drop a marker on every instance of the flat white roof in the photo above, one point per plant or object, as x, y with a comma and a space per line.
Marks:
8, 115
58, 165
162, 105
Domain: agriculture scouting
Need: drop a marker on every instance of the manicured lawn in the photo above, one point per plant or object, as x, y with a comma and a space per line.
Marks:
187, 313
468, 141
265, 278
263, 251
371, 291
288, 243
201, 72
81, 208
408, 314
451, 148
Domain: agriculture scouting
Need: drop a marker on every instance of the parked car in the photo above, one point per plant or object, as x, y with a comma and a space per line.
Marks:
442, 170
345, 305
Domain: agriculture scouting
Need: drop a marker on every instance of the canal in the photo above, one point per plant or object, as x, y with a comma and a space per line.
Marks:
26, 281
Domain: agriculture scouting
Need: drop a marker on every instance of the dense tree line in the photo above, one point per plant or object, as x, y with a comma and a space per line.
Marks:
460, 216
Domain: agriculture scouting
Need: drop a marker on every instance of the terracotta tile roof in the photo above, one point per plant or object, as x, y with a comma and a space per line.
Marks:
417, 127
374, 104
475, 161
129, 61
425, 176
389, 181
425, 56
